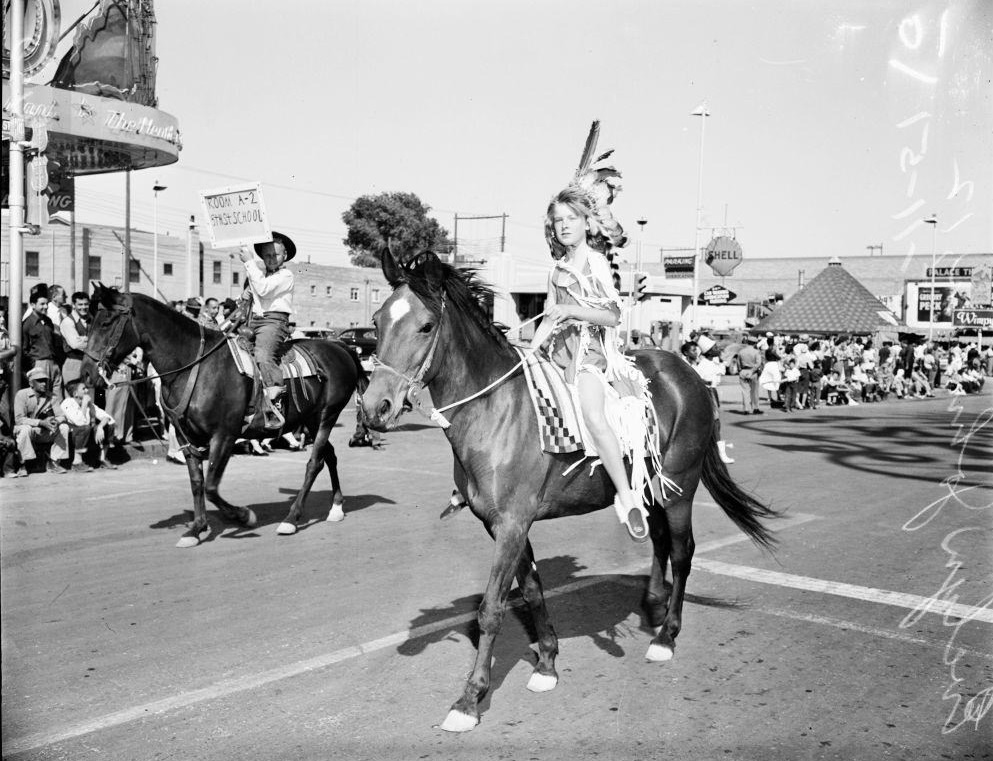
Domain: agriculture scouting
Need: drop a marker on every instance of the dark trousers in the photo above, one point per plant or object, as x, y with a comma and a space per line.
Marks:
270, 331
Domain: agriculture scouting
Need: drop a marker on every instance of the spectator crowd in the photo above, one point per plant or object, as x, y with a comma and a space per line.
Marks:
796, 372
59, 424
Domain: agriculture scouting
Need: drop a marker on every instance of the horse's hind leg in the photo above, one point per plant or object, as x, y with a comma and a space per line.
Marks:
544, 677
220, 454
678, 515
657, 596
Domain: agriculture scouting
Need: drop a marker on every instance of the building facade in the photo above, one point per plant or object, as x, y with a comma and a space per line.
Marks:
326, 296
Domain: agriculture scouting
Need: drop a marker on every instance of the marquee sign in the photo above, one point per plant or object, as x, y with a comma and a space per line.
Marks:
42, 19
723, 254
973, 318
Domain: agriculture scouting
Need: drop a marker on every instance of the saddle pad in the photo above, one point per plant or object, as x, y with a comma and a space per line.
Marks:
558, 425
294, 364
559, 428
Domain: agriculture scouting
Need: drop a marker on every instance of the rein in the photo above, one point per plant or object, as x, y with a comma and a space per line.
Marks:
416, 382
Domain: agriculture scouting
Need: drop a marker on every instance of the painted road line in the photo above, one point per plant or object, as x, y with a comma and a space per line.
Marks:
868, 594
227, 687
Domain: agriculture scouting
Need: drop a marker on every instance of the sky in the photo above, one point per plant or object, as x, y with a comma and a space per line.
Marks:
834, 125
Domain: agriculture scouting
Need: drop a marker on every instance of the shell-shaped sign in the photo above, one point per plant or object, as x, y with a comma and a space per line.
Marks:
42, 19
723, 254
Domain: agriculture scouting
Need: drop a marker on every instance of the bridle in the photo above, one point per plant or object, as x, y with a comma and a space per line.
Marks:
416, 382
117, 330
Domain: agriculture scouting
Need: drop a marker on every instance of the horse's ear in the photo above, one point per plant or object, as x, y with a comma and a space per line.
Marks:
432, 267
391, 269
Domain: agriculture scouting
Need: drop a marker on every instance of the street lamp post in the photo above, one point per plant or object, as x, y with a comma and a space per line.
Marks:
632, 302
703, 113
933, 221
155, 239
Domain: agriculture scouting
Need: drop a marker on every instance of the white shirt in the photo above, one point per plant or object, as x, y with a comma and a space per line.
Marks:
273, 293
78, 415
710, 372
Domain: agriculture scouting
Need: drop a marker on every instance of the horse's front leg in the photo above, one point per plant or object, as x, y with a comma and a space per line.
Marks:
510, 542
220, 454
199, 529
544, 677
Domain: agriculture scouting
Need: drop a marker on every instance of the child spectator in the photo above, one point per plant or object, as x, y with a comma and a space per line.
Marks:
788, 388
88, 424
816, 384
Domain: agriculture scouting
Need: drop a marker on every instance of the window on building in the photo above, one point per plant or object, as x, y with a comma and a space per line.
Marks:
31, 266
313, 290
217, 273
134, 271
167, 268
93, 268
353, 294
327, 290
375, 295
235, 278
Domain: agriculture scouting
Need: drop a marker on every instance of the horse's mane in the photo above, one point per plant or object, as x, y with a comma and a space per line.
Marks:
465, 293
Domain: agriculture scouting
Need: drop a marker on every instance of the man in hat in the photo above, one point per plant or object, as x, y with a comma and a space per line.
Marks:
749, 369
272, 305
36, 421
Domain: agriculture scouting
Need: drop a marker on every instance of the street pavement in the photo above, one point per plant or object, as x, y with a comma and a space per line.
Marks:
867, 635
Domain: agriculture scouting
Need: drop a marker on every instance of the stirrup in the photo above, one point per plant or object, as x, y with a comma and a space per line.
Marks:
272, 416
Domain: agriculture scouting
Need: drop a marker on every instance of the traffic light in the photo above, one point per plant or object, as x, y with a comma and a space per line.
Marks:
615, 271
640, 286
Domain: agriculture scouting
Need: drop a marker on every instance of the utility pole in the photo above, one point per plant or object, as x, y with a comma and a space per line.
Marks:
878, 246
16, 192
703, 113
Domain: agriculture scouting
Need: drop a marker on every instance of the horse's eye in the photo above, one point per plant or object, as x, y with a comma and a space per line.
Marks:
426, 328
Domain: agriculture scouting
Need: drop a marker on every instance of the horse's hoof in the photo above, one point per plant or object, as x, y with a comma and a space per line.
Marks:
542, 682
456, 721
658, 653
252, 520
193, 540
286, 528
337, 512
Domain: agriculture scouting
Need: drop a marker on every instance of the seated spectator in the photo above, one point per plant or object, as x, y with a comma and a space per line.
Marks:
884, 378
899, 384
88, 425
919, 383
37, 421
836, 390
863, 386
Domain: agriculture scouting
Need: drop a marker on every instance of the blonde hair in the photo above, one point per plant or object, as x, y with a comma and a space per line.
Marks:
577, 200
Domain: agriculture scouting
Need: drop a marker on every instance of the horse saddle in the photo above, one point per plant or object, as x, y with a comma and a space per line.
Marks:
296, 364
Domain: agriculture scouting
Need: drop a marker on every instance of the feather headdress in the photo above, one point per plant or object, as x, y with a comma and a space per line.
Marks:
600, 184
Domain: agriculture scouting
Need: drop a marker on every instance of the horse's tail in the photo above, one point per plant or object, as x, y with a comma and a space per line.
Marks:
740, 506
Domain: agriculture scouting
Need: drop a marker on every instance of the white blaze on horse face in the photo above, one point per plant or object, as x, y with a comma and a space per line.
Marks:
399, 308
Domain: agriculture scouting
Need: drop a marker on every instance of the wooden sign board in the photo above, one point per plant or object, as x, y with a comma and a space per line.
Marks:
236, 215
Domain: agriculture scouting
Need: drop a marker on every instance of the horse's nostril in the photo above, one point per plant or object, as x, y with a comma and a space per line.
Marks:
383, 408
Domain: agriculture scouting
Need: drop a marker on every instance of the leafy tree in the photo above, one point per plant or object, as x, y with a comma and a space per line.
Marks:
400, 218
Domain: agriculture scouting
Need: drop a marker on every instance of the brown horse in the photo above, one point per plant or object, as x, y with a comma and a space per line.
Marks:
206, 397
433, 332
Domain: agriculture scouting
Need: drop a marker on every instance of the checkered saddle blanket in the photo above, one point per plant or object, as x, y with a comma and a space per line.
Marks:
294, 364
559, 427
558, 422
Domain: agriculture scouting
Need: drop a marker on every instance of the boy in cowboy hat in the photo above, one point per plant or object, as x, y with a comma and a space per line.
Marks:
272, 305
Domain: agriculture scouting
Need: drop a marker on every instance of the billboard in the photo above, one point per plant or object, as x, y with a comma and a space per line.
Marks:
945, 297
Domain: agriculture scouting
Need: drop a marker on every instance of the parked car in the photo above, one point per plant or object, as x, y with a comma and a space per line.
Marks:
363, 340
314, 332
